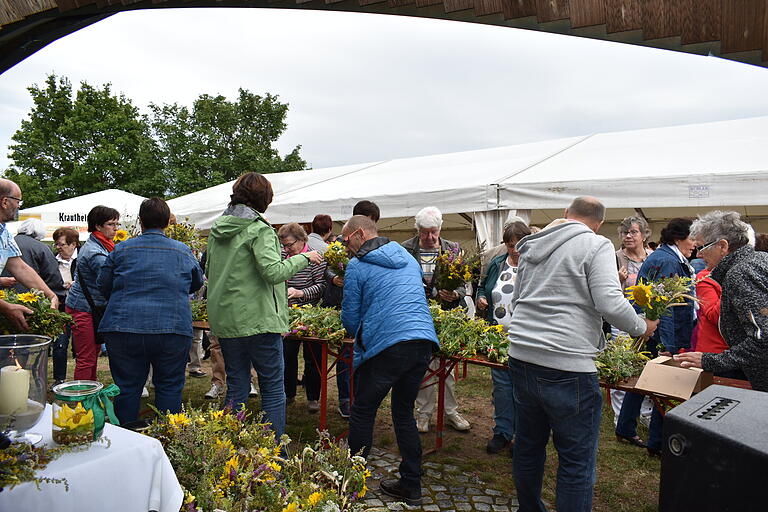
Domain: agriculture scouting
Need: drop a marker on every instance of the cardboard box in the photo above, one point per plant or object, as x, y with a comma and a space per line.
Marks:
665, 376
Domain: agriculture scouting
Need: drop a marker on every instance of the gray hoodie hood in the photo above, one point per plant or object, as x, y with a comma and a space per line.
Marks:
567, 281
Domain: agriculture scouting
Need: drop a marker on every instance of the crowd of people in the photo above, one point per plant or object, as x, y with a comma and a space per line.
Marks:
557, 292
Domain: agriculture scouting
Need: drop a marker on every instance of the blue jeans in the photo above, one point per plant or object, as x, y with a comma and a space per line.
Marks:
265, 353
130, 355
400, 368
342, 374
627, 423
503, 403
60, 347
569, 405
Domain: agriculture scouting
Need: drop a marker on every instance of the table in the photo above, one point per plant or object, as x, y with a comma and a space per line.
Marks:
133, 474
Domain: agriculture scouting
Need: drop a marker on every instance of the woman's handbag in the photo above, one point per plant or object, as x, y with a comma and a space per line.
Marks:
97, 312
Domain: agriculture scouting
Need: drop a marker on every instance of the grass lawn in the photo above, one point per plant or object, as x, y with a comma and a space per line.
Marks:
627, 479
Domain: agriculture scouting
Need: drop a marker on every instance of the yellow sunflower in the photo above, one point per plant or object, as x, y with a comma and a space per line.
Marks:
641, 294
121, 235
27, 297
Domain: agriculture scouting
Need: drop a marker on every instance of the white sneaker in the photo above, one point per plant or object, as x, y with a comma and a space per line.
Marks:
457, 421
214, 392
422, 424
253, 392
144, 392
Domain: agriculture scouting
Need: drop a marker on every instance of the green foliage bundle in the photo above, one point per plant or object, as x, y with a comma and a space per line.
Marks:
186, 233
226, 461
199, 310
620, 360
43, 320
461, 336
316, 322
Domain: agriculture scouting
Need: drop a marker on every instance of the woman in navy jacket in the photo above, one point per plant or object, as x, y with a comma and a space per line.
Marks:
674, 331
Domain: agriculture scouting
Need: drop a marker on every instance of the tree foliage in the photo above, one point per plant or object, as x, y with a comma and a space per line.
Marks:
218, 140
70, 146
74, 143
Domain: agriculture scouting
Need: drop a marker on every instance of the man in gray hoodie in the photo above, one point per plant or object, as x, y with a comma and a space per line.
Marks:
566, 283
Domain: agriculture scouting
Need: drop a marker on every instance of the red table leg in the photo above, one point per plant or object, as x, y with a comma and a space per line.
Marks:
323, 371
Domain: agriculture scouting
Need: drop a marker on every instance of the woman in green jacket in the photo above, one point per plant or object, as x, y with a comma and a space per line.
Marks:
493, 297
247, 303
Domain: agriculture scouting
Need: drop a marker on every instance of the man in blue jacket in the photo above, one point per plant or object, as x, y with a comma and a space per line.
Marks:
384, 306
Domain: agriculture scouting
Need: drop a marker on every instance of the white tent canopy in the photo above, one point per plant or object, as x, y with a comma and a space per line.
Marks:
73, 212
664, 171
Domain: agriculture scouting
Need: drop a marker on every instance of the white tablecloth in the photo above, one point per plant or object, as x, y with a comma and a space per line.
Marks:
133, 474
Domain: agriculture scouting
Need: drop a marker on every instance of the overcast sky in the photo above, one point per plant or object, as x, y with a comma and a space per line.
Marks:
365, 87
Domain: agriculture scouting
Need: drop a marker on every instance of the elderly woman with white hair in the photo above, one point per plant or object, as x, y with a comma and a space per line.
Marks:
741, 271
426, 246
38, 256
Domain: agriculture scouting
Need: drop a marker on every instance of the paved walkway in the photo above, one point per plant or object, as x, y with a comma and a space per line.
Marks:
444, 489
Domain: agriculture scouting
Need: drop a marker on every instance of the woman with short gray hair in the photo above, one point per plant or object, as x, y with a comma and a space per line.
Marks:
741, 272
634, 233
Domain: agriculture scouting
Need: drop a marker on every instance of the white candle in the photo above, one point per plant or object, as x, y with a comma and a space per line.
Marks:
14, 389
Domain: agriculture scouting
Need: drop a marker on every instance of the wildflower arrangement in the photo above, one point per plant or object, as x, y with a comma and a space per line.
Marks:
316, 322
228, 461
455, 267
655, 298
199, 310
337, 258
121, 236
620, 360
43, 320
461, 336
186, 233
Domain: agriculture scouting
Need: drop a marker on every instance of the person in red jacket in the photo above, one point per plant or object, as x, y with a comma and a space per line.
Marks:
708, 291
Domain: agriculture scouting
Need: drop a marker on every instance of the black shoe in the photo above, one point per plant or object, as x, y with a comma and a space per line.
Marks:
395, 489
496, 444
653, 452
635, 441
344, 409
197, 374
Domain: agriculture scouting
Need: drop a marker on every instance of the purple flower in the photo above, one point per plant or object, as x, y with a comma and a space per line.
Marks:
191, 507
241, 414
232, 474
283, 492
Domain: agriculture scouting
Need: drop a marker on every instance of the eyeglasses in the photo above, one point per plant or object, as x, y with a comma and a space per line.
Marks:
345, 241
632, 232
287, 246
707, 246
17, 199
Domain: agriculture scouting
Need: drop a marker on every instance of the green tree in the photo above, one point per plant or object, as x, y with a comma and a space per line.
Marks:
74, 146
218, 140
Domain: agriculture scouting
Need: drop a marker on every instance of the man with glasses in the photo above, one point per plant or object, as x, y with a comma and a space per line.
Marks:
10, 256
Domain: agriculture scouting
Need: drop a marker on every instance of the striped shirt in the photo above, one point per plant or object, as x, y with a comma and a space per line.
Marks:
311, 281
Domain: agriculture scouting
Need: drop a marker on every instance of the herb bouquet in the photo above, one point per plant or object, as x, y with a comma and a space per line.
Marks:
43, 320
199, 310
455, 267
186, 233
337, 258
316, 322
227, 461
460, 336
620, 360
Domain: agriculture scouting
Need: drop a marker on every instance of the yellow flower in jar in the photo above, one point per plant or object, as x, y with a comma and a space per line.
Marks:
27, 297
68, 418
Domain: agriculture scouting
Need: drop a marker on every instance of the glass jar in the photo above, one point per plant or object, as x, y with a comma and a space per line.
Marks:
73, 411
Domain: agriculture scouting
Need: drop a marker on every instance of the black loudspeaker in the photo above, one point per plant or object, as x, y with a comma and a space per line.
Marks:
715, 453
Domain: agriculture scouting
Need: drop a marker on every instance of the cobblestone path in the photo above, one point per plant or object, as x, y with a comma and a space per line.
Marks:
444, 489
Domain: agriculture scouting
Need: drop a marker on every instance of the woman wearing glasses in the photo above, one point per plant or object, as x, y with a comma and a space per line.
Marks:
84, 300
305, 287
741, 272
634, 233
674, 331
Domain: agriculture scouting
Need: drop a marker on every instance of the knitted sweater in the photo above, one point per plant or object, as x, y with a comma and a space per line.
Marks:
743, 316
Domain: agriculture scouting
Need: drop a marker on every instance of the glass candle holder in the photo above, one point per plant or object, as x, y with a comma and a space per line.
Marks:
23, 384
73, 415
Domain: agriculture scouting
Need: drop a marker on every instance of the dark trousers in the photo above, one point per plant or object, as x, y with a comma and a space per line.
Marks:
342, 374
60, 347
568, 404
399, 368
626, 425
131, 354
312, 353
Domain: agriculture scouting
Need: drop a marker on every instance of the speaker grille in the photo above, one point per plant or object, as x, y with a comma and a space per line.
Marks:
715, 408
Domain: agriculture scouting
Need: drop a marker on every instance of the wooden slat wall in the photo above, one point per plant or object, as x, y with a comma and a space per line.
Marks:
16, 10
518, 8
551, 10
458, 5
743, 25
400, 3
621, 15
486, 7
427, 3
765, 35
586, 13
660, 18
701, 21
